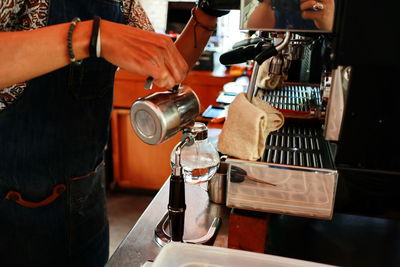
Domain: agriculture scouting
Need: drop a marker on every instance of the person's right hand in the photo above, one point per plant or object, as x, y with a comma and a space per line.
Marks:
143, 52
323, 18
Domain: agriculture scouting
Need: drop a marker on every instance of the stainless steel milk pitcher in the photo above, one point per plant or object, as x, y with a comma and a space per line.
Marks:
157, 117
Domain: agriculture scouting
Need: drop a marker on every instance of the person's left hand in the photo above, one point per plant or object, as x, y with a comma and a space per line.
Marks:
321, 12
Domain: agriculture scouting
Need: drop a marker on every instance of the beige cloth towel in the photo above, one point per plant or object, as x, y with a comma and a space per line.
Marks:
247, 126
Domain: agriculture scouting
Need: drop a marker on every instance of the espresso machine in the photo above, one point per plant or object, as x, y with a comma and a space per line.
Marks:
339, 145
297, 157
333, 168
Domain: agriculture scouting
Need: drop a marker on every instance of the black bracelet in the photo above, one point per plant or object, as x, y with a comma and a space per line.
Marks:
69, 39
204, 5
94, 39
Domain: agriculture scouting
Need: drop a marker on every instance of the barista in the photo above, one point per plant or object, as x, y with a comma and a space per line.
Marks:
58, 60
293, 14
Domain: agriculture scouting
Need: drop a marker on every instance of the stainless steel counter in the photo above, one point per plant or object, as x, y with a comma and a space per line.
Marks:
139, 245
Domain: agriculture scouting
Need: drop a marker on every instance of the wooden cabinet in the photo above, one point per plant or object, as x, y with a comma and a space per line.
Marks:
136, 164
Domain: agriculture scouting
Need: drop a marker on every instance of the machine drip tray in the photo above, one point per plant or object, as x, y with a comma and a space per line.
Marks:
295, 176
299, 145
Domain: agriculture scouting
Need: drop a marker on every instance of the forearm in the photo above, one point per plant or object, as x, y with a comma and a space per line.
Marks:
29, 54
193, 39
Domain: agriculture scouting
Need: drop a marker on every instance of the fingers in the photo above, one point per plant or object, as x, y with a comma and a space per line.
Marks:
316, 5
159, 76
320, 11
144, 53
164, 62
311, 5
311, 15
174, 61
163, 79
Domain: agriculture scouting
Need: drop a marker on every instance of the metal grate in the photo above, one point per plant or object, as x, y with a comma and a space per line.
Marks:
297, 145
301, 98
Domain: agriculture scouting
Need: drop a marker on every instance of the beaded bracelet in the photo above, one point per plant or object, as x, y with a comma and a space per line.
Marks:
198, 23
70, 50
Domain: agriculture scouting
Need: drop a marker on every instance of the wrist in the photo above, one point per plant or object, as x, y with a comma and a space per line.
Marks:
204, 5
204, 19
81, 39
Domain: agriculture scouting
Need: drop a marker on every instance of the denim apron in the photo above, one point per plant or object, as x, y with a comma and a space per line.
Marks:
52, 193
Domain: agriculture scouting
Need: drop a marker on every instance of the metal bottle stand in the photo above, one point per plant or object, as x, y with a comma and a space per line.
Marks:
174, 219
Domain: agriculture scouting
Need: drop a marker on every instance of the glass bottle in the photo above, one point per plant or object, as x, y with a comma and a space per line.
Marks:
200, 160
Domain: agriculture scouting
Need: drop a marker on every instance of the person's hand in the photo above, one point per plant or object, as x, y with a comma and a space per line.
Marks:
143, 52
321, 12
262, 16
